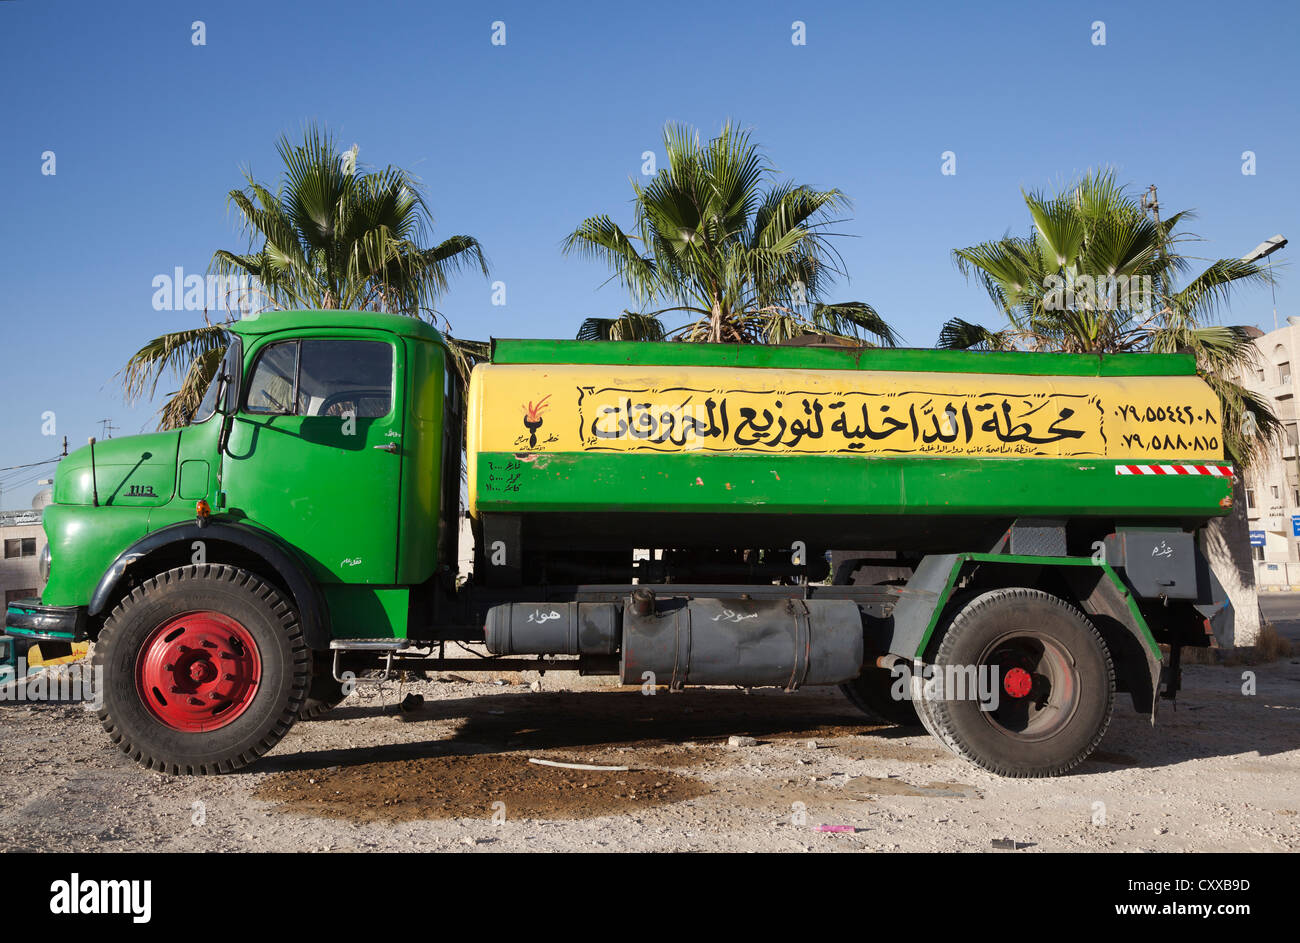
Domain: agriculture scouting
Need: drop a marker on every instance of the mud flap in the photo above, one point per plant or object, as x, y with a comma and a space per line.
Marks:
1137, 657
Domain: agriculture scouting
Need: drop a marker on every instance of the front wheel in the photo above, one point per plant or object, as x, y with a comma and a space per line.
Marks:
204, 670
1022, 684
325, 693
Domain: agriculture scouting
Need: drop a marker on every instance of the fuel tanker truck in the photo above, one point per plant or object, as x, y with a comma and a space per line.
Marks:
991, 545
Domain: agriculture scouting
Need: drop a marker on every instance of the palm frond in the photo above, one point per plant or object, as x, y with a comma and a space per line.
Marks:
170, 353
853, 319
957, 334
599, 237
629, 326
1207, 294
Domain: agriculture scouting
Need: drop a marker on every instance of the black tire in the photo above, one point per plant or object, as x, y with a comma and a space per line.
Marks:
872, 692
1055, 683
271, 703
925, 708
324, 693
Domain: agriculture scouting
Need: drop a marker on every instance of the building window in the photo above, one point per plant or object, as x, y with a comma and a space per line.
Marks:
20, 547
1250, 497
1260, 373
1257, 553
1284, 372
13, 594
1274, 490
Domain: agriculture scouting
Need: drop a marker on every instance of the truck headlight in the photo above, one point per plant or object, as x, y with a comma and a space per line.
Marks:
44, 563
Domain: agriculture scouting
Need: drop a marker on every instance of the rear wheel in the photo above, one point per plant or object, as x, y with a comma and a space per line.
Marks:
1044, 684
204, 670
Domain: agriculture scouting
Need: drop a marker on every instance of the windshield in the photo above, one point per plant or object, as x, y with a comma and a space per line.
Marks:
228, 368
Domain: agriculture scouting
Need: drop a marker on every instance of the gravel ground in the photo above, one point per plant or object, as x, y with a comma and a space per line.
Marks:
1222, 772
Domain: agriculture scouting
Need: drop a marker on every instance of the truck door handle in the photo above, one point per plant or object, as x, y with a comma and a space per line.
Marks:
387, 447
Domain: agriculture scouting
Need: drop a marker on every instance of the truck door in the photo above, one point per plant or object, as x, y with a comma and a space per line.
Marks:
315, 451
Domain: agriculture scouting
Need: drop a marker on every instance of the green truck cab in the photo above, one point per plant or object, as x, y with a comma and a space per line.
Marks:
302, 532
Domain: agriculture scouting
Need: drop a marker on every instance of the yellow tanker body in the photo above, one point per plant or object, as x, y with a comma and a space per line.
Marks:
889, 433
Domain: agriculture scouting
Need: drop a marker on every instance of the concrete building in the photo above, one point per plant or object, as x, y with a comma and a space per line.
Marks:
23, 541
1273, 486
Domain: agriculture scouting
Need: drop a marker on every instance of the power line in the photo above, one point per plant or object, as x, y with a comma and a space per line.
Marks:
48, 461
23, 483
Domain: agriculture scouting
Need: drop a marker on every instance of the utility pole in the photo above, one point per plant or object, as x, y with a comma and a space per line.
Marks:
1151, 204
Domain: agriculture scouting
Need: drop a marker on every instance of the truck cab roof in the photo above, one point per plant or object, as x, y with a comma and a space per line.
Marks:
270, 322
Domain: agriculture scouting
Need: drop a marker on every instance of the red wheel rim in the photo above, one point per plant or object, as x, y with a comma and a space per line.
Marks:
198, 671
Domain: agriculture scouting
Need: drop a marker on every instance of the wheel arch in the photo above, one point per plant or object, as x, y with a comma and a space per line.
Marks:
225, 542
943, 583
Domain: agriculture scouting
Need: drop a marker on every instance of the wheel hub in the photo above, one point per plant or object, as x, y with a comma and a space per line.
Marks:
198, 671
202, 671
1040, 681
1017, 682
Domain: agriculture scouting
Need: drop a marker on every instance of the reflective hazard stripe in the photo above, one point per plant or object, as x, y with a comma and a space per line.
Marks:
1215, 471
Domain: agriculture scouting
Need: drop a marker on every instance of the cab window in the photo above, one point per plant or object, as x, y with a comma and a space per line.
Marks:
323, 378
271, 388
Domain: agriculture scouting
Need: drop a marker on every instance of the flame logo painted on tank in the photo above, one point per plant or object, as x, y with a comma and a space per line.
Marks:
533, 418
916, 421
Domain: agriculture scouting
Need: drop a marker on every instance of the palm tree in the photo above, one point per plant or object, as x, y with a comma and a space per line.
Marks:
331, 236
716, 238
1095, 274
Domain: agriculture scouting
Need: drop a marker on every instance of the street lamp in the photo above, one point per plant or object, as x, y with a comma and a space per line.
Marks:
1267, 247
1262, 251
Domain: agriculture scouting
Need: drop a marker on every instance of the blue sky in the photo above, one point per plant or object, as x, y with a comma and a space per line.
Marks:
518, 143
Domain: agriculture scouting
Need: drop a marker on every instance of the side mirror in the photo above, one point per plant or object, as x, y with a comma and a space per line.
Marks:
223, 437
222, 410
223, 389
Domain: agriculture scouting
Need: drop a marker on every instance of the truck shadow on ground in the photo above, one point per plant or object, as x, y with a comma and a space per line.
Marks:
667, 749
605, 722
648, 751
601, 721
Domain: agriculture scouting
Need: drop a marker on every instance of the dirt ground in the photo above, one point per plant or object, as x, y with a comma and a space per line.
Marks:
1221, 772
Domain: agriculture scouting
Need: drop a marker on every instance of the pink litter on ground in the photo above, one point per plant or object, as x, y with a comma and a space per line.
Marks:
837, 828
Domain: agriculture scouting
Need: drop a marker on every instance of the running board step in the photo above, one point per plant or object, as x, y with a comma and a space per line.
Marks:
370, 644
388, 646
